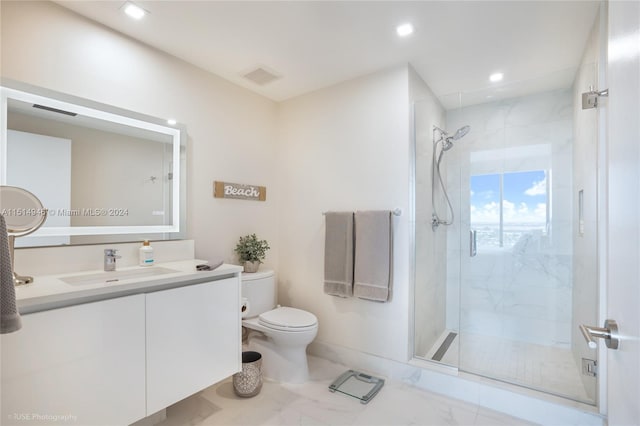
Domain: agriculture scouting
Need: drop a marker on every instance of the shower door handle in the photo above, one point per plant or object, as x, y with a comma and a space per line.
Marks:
473, 248
609, 333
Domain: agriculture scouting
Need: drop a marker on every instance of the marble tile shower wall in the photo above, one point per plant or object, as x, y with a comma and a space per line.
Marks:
524, 292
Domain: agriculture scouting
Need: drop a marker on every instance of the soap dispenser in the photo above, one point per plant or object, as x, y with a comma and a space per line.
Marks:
146, 254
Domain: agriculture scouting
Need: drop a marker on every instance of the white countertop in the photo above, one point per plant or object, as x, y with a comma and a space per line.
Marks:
50, 292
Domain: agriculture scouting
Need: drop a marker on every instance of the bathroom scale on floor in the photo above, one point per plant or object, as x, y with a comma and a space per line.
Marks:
357, 385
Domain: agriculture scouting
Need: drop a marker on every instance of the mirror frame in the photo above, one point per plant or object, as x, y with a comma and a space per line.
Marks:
26, 93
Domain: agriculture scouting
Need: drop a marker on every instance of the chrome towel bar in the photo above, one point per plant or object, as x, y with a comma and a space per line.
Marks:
395, 212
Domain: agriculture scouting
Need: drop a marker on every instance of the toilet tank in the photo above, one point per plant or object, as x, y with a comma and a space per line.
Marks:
259, 288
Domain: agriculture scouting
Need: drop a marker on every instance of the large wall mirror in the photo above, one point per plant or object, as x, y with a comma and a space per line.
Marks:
104, 174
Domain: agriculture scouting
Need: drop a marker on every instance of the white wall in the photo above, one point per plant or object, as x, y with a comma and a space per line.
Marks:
231, 130
345, 147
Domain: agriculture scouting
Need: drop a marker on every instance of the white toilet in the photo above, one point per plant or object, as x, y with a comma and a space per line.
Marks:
280, 334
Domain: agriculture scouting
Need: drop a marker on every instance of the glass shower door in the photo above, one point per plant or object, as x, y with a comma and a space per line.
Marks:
518, 234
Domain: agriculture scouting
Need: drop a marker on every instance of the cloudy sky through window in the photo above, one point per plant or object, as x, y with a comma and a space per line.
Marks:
525, 198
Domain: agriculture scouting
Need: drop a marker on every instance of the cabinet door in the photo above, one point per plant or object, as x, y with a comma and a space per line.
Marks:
85, 362
193, 340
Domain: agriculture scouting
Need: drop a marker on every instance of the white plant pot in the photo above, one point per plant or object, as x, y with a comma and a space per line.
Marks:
251, 266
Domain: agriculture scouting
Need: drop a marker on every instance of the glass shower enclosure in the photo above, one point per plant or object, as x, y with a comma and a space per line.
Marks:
517, 267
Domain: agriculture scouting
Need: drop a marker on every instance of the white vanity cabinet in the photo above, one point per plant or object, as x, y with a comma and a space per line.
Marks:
193, 339
85, 362
117, 360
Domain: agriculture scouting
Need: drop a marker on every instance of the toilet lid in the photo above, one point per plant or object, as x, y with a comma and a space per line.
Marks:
288, 317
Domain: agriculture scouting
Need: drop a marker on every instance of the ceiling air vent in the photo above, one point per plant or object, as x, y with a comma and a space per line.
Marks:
261, 76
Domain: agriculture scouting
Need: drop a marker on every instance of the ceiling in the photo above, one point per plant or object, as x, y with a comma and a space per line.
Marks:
314, 44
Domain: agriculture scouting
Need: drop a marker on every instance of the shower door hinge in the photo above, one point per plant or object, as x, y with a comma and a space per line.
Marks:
590, 98
589, 367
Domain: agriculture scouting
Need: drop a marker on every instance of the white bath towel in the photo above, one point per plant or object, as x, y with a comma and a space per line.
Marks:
9, 316
374, 255
338, 254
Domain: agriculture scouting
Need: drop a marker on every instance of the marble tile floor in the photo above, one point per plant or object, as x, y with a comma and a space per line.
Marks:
547, 368
312, 404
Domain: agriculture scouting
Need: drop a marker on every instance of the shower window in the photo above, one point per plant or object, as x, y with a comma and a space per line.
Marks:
506, 207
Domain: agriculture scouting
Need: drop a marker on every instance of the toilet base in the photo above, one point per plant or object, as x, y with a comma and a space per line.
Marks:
286, 364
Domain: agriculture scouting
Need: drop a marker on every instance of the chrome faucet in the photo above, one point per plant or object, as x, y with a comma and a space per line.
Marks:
110, 259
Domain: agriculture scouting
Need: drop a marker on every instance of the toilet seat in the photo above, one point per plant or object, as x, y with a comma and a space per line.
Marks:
288, 319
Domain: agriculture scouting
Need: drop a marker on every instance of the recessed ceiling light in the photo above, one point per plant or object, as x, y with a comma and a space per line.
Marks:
404, 29
495, 77
171, 122
134, 11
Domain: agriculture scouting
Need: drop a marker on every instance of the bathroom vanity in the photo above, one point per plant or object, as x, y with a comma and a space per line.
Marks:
111, 353
98, 347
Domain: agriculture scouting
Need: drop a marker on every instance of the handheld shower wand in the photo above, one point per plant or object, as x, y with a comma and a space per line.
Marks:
446, 143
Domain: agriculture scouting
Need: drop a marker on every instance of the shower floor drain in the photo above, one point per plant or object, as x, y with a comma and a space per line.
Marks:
444, 347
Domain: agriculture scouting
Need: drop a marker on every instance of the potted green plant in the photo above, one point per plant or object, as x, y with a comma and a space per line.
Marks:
251, 252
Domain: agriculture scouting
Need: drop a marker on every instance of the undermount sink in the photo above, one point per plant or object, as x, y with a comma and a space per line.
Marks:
115, 276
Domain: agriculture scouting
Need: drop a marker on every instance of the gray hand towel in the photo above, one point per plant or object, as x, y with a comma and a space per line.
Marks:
9, 316
338, 254
374, 255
